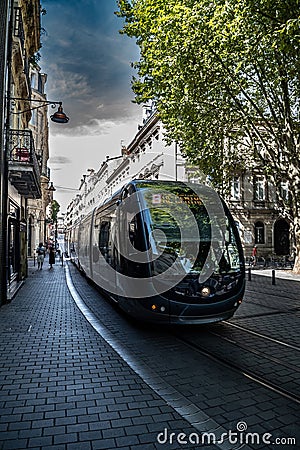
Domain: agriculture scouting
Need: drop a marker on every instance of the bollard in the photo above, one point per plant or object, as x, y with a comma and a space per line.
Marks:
273, 277
62, 259
249, 274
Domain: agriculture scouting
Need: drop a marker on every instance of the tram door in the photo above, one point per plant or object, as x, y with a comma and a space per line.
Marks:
103, 266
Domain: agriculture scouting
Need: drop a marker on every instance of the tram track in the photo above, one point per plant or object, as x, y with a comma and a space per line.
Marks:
256, 291
245, 371
256, 352
273, 309
285, 344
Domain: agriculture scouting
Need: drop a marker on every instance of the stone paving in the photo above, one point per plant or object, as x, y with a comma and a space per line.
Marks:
62, 386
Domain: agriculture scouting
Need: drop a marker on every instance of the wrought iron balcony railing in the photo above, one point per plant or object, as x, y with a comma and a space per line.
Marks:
23, 167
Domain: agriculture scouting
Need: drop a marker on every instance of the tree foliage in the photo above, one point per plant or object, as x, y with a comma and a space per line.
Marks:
55, 207
224, 74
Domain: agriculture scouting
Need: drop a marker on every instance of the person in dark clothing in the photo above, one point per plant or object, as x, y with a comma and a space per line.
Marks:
40, 255
51, 256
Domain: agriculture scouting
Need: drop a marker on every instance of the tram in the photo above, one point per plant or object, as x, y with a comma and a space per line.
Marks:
164, 251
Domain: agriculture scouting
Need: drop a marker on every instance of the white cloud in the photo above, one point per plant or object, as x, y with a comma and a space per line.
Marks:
85, 151
68, 84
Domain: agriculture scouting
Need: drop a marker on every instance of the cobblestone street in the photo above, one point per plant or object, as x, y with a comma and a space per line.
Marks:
106, 382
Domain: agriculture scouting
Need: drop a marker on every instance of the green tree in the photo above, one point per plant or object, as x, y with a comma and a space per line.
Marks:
224, 75
55, 207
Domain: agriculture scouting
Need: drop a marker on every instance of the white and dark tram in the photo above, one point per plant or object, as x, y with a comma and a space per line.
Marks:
166, 252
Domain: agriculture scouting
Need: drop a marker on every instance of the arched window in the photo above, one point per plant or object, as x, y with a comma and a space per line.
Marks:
259, 232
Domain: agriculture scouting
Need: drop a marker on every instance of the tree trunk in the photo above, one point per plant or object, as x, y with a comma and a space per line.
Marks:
297, 245
295, 196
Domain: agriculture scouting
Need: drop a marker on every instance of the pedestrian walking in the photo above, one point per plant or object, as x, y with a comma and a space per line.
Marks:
254, 255
40, 255
51, 255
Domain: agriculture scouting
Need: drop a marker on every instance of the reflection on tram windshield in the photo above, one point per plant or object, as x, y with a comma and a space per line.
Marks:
172, 215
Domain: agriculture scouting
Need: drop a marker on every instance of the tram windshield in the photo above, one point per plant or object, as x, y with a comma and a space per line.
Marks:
181, 230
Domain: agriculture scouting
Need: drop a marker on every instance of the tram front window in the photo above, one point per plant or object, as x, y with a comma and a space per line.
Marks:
172, 214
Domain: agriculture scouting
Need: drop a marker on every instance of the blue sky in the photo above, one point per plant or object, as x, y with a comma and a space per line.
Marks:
88, 63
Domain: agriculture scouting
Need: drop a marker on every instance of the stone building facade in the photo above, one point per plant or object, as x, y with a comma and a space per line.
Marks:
38, 209
24, 147
254, 203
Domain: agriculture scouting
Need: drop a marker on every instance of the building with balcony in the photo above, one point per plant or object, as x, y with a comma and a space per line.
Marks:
21, 165
38, 210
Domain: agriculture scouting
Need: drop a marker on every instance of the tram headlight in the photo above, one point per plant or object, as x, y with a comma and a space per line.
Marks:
155, 307
205, 291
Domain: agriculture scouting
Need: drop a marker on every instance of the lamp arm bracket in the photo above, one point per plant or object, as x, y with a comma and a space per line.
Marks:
43, 103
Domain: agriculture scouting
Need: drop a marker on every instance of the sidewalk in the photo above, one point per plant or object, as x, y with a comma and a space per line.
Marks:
62, 386
284, 274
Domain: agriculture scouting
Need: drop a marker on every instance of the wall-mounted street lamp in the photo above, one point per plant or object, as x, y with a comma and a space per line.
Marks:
58, 117
51, 188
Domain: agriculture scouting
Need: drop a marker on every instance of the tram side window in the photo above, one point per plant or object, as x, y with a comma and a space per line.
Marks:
230, 258
104, 239
136, 236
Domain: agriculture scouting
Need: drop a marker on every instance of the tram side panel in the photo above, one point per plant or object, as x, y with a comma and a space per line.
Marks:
72, 244
103, 239
84, 245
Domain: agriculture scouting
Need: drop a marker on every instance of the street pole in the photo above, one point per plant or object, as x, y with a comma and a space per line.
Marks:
55, 236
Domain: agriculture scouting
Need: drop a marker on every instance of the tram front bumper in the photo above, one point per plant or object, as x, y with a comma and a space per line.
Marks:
163, 310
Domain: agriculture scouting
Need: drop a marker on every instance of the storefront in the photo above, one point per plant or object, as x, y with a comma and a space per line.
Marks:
13, 243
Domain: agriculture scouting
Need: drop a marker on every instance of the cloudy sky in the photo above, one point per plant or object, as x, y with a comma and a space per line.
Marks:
88, 63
